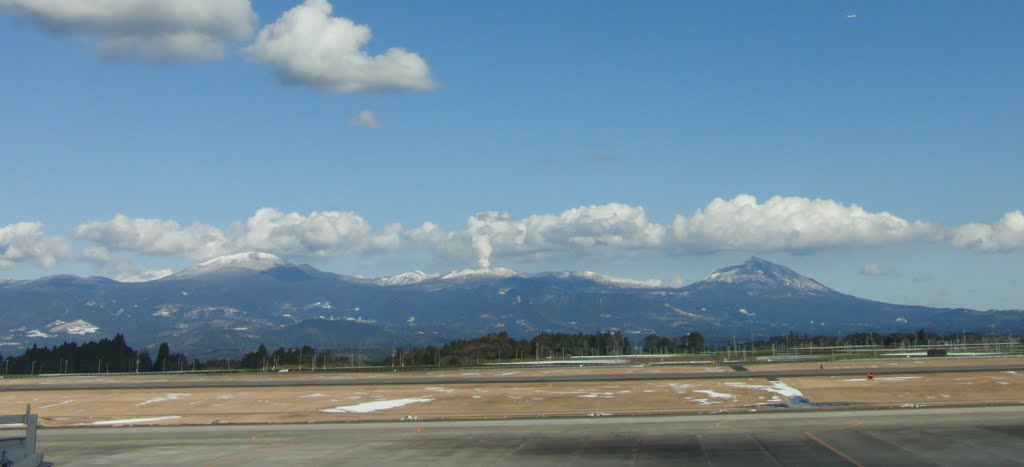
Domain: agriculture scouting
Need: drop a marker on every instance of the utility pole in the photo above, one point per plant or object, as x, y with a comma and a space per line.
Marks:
300, 358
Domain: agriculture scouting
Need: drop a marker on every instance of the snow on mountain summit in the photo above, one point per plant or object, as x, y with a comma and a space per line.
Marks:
405, 278
480, 274
252, 260
609, 280
761, 273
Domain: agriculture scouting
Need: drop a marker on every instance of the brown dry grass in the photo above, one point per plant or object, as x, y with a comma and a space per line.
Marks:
928, 389
304, 404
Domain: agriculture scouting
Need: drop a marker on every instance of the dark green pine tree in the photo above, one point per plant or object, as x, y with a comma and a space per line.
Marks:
161, 357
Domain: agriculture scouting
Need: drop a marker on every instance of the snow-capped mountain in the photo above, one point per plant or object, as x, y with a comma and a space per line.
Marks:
234, 303
249, 261
483, 273
405, 278
602, 279
756, 274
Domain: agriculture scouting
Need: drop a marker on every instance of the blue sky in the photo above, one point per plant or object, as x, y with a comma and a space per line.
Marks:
890, 133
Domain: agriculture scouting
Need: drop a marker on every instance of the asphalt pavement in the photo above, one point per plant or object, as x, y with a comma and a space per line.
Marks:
975, 436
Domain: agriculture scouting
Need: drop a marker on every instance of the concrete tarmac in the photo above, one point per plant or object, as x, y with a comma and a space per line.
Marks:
284, 380
975, 436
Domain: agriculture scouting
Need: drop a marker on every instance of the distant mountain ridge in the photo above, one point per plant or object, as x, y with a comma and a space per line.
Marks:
230, 304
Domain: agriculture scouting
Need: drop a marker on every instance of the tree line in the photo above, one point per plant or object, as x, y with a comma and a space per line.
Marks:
108, 355
114, 355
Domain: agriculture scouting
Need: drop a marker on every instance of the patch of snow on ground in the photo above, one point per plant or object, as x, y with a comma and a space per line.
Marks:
440, 389
777, 387
55, 405
680, 388
886, 378
164, 398
377, 405
78, 327
715, 395
132, 421
310, 396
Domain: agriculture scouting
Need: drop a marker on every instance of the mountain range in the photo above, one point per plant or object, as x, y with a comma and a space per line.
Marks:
233, 303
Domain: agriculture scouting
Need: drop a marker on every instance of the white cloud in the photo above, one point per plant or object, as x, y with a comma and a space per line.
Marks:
120, 268
365, 119
497, 233
873, 269
308, 46
149, 29
787, 224
1003, 236
323, 233
792, 224
154, 236
25, 242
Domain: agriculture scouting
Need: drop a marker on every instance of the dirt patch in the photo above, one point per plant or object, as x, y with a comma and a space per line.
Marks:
445, 400
917, 390
350, 403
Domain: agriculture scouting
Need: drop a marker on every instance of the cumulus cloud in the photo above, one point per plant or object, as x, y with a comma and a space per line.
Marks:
365, 119
321, 233
308, 46
779, 224
492, 232
1005, 235
25, 242
121, 268
792, 224
873, 269
154, 237
148, 29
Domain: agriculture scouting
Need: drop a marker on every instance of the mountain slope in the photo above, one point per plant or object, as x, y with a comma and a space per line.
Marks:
230, 304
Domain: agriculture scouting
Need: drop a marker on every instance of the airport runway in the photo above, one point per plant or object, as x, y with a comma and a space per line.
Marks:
975, 436
338, 379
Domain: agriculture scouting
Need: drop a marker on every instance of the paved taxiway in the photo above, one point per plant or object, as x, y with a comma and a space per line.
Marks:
338, 379
974, 436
